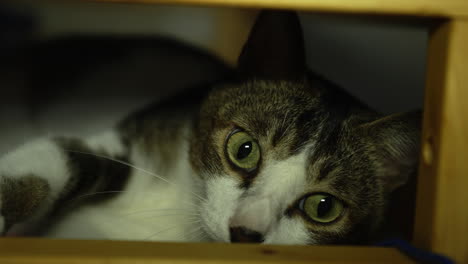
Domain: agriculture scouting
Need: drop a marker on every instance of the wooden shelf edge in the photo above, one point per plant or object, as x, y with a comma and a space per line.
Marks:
424, 8
441, 221
34, 250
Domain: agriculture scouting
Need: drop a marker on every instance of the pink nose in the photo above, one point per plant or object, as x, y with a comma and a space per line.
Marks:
251, 220
244, 235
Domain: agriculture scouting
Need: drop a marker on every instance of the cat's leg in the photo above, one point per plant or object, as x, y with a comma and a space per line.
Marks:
39, 177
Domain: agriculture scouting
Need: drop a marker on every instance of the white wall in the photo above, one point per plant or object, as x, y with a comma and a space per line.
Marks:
381, 61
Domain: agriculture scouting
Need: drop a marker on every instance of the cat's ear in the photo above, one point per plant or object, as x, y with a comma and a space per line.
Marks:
397, 146
275, 48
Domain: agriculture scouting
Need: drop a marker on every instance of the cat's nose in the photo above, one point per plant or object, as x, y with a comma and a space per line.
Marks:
244, 235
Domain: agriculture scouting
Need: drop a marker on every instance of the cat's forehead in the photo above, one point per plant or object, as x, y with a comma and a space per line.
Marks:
274, 112
261, 96
344, 167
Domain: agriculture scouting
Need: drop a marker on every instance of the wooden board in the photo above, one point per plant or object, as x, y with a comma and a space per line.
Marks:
442, 205
38, 251
447, 8
232, 28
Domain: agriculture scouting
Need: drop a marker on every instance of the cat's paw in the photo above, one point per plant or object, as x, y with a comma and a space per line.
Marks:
20, 199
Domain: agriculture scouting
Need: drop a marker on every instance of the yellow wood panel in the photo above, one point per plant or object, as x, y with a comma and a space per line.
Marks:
232, 28
442, 205
17, 250
410, 7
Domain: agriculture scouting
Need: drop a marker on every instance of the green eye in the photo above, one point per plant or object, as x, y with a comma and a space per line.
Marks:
322, 208
243, 151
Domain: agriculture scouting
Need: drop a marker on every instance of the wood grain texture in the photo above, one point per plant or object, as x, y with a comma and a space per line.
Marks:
38, 251
446, 8
442, 205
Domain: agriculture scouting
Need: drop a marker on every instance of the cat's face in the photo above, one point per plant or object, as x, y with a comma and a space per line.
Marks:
287, 158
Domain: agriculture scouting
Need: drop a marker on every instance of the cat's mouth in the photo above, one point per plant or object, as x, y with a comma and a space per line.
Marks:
244, 235
249, 223
228, 215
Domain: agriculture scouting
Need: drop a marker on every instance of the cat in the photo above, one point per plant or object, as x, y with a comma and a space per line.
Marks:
275, 154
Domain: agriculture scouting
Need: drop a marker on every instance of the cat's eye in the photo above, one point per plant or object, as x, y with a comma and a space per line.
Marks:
322, 208
243, 151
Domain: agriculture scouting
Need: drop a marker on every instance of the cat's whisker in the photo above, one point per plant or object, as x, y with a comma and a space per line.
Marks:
140, 192
286, 130
149, 210
201, 237
155, 210
188, 216
197, 237
194, 233
165, 215
286, 115
134, 167
94, 193
347, 156
185, 235
159, 232
189, 203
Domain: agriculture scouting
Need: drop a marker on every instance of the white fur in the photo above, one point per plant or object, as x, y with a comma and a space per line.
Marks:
149, 209
42, 158
289, 231
278, 186
108, 141
222, 197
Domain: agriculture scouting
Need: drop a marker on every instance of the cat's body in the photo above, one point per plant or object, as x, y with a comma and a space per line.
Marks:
148, 207
277, 155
